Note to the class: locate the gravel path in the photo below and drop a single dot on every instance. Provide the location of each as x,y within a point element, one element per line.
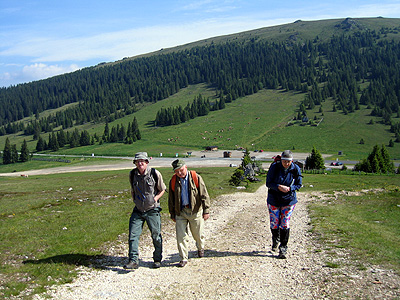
<point>238,263</point>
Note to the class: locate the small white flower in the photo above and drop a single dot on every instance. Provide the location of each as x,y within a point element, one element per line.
<point>65,228</point>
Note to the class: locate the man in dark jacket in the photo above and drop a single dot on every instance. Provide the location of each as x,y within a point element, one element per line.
<point>188,203</point>
<point>283,180</point>
<point>147,187</point>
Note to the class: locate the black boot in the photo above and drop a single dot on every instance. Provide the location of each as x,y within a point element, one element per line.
<point>275,239</point>
<point>284,237</point>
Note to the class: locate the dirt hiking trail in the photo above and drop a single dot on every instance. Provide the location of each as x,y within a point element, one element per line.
<point>238,263</point>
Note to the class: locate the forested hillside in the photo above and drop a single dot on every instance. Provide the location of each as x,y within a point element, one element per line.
<point>354,66</point>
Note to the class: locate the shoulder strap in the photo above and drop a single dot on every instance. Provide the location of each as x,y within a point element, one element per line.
<point>194,176</point>
<point>173,180</point>
<point>153,173</point>
<point>131,174</point>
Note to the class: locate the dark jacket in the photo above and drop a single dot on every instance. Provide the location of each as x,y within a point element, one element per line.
<point>199,198</point>
<point>277,175</point>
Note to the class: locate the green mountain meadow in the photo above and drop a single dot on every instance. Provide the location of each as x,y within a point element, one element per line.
<point>303,72</point>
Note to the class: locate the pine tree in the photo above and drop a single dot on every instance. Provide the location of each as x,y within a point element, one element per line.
<point>121,133</point>
<point>113,135</point>
<point>106,134</point>
<point>24,155</point>
<point>61,138</point>
<point>137,134</point>
<point>315,160</point>
<point>387,164</point>
<point>375,159</point>
<point>7,153</point>
<point>246,159</point>
<point>378,161</point>
<point>74,139</point>
<point>53,143</point>
<point>84,139</point>
<point>37,130</point>
<point>40,146</point>
<point>14,153</point>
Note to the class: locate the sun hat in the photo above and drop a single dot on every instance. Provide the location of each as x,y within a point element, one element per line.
<point>177,164</point>
<point>141,155</point>
<point>287,155</point>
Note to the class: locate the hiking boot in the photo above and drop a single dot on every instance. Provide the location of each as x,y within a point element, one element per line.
<point>275,239</point>
<point>182,263</point>
<point>284,237</point>
<point>282,253</point>
<point>200,253</point>
<point>156,265</point>
<point>131,265</point>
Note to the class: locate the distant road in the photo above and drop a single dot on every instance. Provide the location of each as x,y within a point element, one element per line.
<point>126,163</point>
<point>195,160</point>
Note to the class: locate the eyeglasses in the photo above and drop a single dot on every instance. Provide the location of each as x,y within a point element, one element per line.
<point>141,161</point>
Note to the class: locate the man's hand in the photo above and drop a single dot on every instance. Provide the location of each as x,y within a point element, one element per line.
<point>206,216</point>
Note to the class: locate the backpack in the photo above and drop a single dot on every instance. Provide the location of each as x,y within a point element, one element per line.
<point>194,176</point>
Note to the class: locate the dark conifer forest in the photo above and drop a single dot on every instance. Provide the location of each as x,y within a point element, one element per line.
<point>337,67</point>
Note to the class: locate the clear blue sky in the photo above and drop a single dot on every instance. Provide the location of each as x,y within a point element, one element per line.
<point>43,38</point>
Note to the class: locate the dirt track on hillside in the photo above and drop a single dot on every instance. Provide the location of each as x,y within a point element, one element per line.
<point>197,159</point>
<point>238,263</point>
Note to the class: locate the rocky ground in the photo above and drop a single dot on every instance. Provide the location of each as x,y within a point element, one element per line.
<point>238,263</point>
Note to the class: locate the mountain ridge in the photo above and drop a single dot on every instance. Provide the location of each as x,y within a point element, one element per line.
<point>319,61</point>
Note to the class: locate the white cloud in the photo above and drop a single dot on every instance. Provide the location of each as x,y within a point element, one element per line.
<point>116,45</point>
<point>40,70</point>
<point>6,76</point>
<point>34,72</point>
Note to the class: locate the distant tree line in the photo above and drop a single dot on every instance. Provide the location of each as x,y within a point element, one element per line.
<point>177,115</point>
<point>10,153</point>
<point>378,161</point>
<point>321,69</point>
<point>121,134</point>
<point>60,139</point>
<point>116,134</point>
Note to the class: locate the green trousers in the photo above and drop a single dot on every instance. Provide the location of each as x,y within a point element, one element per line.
<point>153,219</point>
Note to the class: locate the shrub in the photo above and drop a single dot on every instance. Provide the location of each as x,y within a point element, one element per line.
<point>315,160</point>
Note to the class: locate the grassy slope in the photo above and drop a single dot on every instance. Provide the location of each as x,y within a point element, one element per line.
<point>257,119</point>
<point>256,122</point>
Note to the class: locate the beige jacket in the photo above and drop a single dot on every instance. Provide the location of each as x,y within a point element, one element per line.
<point>199,198</point>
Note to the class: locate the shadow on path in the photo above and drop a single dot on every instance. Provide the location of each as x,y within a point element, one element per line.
<point>116,263</point>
